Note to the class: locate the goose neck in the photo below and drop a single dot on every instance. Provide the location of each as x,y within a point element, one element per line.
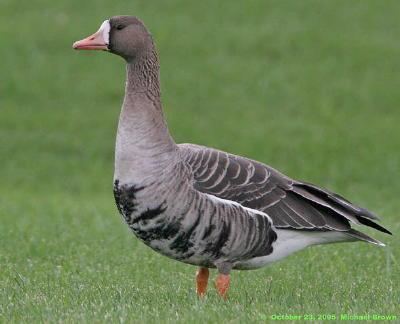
<point>144,145</point>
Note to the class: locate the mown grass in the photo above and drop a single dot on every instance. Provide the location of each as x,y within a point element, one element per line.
<point>309,87</point>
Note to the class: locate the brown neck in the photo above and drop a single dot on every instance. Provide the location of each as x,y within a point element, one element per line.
<point>143,76</point>
<point>143,139</point>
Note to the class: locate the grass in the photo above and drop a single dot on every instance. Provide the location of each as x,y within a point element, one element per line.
<point>309,87</point>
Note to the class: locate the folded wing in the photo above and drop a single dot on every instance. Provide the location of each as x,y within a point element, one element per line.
<point>290,204</point>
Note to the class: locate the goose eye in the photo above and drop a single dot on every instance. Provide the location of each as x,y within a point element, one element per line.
<point>119,27</point>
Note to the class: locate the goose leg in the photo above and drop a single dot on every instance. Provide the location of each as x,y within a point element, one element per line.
<point>222,284</point>
<point>223,279</point>
<point>201,281</point>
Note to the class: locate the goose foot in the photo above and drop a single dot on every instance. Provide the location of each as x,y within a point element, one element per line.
<point>201,281</point>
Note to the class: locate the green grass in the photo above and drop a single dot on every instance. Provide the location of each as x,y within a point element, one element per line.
<point>309,87</point>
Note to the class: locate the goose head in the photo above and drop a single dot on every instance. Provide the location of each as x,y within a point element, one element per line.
<point>125,36</point>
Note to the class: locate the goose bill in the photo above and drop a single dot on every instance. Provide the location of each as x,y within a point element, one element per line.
<point>98,41</point>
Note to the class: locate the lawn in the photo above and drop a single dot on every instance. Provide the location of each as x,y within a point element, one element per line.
<point>309,87</point>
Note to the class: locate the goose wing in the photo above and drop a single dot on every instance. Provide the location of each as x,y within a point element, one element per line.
<point>291,204</point>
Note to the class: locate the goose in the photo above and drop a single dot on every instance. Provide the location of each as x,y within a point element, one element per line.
<point>200,205</point>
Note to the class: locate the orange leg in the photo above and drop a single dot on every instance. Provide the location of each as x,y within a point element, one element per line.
<point>201,281</point>
<point>222,284</point>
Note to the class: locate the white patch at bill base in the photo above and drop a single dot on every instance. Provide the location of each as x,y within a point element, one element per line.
<point>105,31</point>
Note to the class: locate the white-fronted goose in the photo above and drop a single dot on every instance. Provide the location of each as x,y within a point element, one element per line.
<point>199,205</point>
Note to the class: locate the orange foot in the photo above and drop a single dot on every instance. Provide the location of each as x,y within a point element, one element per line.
<point>201,281</point>
<point>222,284</point>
